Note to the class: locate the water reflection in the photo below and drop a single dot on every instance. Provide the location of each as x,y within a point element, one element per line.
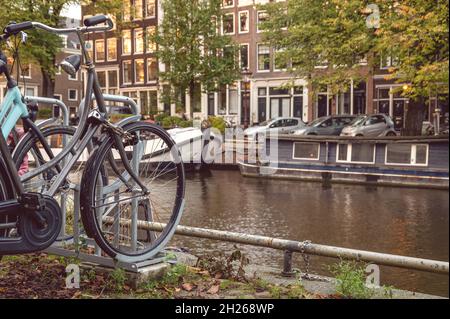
<point>411,222</point>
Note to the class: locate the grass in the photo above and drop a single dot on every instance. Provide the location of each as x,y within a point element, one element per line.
<point>351,280</point>
<point>117,280</point>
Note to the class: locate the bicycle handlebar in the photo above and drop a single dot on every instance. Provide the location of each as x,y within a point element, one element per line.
<point>16,28</point>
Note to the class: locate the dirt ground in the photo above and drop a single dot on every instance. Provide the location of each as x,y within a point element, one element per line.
<point>44,277</point>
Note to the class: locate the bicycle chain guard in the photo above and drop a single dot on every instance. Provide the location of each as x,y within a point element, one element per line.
<point>35,233</point>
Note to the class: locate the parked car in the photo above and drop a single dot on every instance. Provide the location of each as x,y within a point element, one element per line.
<point>371,126</point>
<point>327,125</point>
<point>279,125</point>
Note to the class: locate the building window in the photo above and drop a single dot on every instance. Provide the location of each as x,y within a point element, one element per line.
<point>152,69</point>
<point>228,23</point>
<point>126,42</point>
<point>101,76</point>
<point>26,71</point>
<point>244,22</point>
<point>127,72</point>
<point>150,9</point>
<point>222,102</point>
<point>407,154</point>
<point>112,79</point>
<point>138,41</point>
<point>30,92</point>
<point>72,95</point>
<point>262,91</point>
<point>126,10</point>
<point>388,61</point>
<point>89,48</point>
<point>233,99</point>
<point>262,17</point>
<point>306,151</point>
<point>99,50</point>
<point>244,57</point>
<point>73,77</point>
<point>263,58</point>
<point>228,3</point>
<point>278,62</point>
<point>150,46</point>
<point>356,153</point>
<point>112,49</point>
<point>139,71</point>
<point>138,10</point>
<point>63,40</point>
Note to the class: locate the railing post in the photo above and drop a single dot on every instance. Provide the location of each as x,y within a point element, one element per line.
<point>287,268</point>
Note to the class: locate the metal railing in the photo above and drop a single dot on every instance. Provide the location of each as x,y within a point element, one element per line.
<point>305,247</point>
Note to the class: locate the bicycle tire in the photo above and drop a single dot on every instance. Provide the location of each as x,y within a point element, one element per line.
<point>30,141</point>
<point>96,165</point>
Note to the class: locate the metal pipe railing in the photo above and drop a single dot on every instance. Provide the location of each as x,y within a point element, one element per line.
<point>308,248</point>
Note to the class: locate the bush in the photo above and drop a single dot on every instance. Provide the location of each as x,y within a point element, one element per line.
<point>185,124</point>
<point>218,123</point>
<point>118,117</point>
<point>160,117</point>
<point>45,113</point>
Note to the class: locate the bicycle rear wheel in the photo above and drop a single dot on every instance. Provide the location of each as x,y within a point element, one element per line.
<point>32,152</point>
<point>128,224</point>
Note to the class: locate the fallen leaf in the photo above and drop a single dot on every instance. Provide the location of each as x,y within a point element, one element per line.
<point>214,289</point>
<point>76,295</point>
<point>187,286</point>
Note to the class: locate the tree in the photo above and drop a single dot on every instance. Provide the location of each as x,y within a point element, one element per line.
<point>42,47</point>
<point>337,34</point>
<point>192,50</point>
<point>416,33</point>
<point>322,41</point>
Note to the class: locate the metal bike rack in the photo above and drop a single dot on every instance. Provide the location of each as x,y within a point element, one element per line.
<point>49,101</point>
<point>69,244</point>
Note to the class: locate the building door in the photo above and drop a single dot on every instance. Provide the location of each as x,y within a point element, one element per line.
<point>262,116</point>
<point>399,112</point>
<point>298,107</point>
<point>322,105</point>
<point>245,109</point>
<point>211,104</point>
<point>383,107</point>
<point>359,99</point>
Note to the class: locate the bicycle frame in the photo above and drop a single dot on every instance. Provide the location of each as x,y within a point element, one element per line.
<point>89,125</point>
<point>12,109</point>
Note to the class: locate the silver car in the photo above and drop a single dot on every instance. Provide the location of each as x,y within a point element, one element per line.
<point>371,126</point>
<point>279,125</point>
<point>328,125</point>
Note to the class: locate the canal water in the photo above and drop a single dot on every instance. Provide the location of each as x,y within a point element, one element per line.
<point>402,221</point>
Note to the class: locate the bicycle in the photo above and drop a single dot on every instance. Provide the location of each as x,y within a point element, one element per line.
<point>133,185</point>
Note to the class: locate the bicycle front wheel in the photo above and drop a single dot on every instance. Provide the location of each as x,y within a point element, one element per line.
<point>129,224</point>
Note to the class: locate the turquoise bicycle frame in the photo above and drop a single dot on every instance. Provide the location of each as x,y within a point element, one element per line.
<point>11,110</point>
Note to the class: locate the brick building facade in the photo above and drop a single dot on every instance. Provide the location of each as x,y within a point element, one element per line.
<point>127,65</point>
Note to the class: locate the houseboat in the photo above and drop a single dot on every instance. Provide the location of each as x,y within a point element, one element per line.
<point>387,161</point>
